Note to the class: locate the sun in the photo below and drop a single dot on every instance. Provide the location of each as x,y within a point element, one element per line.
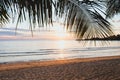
<point>60,31</point>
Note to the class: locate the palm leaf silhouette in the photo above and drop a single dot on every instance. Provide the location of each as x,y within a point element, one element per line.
<point>81,16</point>
<point>113,7</point>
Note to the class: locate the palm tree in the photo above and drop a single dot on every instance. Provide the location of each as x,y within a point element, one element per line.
<point>81,16</point>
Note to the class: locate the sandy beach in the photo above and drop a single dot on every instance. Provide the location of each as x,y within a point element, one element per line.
<point>102,68</point>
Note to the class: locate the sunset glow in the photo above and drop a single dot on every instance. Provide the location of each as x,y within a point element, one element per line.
<point>60,32</point>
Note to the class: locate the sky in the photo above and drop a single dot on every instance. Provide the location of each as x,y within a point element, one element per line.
<point>57,32</point>
<point>115,21</point>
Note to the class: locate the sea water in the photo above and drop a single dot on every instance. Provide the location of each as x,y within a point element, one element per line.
<point>30,50</point>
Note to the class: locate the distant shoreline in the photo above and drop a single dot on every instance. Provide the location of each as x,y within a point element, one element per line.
<point>110,38</point>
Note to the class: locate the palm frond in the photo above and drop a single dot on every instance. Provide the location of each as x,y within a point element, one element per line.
<point>4,16</point>
<point>38,11</point>
<point>113,7</point>
<point>84,18</point>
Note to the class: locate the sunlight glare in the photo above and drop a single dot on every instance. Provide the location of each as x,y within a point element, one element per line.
<point>61,44</point>
<point>63,56</point>
<point>60,31</point>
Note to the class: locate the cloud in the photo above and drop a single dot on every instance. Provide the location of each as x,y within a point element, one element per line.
<point>8,33</point>
<point>24,34</point>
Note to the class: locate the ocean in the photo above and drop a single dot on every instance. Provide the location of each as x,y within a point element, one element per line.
<point>42,50</point>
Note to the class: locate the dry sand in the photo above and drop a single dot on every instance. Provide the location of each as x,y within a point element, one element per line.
<point>103,68</point>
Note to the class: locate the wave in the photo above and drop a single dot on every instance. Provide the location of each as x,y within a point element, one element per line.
<point>59,51</point>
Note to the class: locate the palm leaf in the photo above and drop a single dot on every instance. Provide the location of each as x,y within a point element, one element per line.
<point>4,17</point>
<point>84,18</point>
<point>38,11</point>
<point>113,7</point>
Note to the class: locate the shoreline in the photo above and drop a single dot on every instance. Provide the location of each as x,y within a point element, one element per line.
<point>27,64</point>
<point>101,68</point>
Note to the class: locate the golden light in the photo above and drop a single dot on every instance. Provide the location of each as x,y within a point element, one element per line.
<point>60,32</point>
<point>62,45</point>
<point>62,55</point>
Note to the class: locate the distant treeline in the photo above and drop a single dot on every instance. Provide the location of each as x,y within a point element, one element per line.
<point>114,37</point>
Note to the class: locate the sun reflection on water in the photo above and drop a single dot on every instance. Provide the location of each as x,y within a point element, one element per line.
<point>61,44</point>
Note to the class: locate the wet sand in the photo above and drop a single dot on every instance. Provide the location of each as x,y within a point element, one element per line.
<point>102,68</point>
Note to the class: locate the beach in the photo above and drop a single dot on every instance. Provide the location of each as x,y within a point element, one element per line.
<point>101,68</point>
